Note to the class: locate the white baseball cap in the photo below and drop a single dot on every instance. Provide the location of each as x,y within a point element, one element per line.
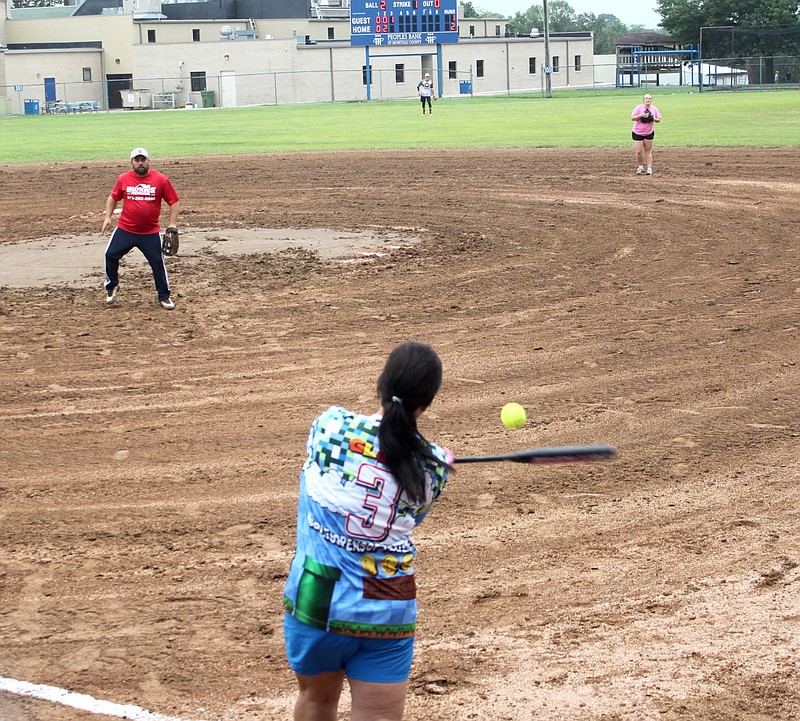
<point>139,151</point>
<point>427,75</point>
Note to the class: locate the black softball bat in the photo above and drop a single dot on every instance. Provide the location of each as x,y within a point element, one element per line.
<point>563,454</point>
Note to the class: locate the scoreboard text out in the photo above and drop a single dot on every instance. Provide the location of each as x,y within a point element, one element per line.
<point>403,22</point>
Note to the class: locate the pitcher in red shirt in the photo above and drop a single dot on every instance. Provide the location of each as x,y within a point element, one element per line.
<point>142,190</point>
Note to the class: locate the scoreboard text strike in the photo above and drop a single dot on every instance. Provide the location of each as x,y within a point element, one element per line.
<point>403,22</point>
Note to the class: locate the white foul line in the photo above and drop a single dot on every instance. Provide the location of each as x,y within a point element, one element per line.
<point>80,701</point>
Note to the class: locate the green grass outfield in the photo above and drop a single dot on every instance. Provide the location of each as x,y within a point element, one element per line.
<point>569,119</point>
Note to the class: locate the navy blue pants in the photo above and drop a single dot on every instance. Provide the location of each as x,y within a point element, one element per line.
<point>122,242</point>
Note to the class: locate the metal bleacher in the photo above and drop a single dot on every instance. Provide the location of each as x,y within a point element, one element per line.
<point>59,107</point>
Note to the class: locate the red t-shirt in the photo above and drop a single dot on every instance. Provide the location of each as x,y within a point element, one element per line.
<point>141,198</point>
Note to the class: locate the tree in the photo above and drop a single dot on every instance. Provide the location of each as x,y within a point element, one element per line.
<point>561,15</point>
<point>606,29</point>
<point>533,17</point>
<point>735,28</point>
<point>470,11</point>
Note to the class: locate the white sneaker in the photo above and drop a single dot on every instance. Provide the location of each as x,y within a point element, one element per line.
<point>640,170</point>
<point>111,294</point>
<point>649,171</point>
<point>167,304</point>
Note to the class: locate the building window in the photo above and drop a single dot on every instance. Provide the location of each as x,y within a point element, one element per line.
<point>364,74</point>
<point>555,63</point>
<point>196,35</point>
<point>577,62</point>
<point>472,31</point>
<point>452,71</point>
<point>399,73</point>
<point>87,75</point>
<point>532,66</point>
<point>151,36</point>
<point>497,30</point>
<point>479,68</point>
<point>330,33</point>
<point>198,81</point>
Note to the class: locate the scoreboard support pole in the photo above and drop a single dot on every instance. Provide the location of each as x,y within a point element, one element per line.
<point>369,73</point>
<point>439,77</point>
<point>438,54</point>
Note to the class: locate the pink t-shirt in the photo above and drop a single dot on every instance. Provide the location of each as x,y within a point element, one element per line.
<point>141,197</point>
<point>639,127</point>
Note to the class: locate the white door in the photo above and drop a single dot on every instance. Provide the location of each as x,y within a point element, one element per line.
<point>227,83</point>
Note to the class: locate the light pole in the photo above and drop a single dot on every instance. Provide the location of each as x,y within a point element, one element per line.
<point>547,69</point>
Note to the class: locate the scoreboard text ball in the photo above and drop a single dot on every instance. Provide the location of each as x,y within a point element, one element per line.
<point>403,22</point>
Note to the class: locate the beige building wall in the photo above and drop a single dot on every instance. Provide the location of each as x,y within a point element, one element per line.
<point>115,32</point>
<point>183,31</point>
<point>339,29</point>
<point>482,27</point>
<point>69,68</point>
<point>162,56</point>
<point>3,13</point>
<point>281,71</point>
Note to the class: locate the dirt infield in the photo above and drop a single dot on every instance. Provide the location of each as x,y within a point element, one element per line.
<point>150,458</point>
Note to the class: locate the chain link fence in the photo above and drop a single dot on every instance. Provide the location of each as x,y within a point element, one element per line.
<point>320,86</point>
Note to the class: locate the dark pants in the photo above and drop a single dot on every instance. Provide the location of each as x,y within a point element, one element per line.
<point>425,99</point>
<point>121,243</point>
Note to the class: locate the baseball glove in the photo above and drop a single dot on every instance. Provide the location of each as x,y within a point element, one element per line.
<point>169,241</point>
<point>647,117</point>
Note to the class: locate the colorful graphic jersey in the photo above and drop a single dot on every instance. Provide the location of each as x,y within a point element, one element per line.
<point>353,571</point>
<point>142,196</point>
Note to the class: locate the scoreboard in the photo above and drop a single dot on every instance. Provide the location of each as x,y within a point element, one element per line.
<point>403,22</point>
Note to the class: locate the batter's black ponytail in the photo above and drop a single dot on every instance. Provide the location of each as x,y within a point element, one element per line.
<point>410,379</point>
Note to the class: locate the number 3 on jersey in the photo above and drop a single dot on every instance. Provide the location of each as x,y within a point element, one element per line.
<point>379,510</point>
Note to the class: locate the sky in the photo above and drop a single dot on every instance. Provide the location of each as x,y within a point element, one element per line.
<point>628,11</point>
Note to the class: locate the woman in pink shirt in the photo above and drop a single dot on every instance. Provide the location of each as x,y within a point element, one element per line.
<point>643,117</point>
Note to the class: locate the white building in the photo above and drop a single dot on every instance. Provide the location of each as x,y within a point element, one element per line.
<point>147,54</point>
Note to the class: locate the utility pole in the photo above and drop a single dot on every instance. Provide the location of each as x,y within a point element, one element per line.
<point>547,69</point>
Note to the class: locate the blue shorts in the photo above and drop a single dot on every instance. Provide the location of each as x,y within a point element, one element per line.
<point>378,660</point>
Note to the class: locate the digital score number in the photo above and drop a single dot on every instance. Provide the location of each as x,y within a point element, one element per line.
<point>403,22</point>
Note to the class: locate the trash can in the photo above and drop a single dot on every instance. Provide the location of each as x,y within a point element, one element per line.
<point>208,98</point>
<point>31,106</point>
<point>465,87</point>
